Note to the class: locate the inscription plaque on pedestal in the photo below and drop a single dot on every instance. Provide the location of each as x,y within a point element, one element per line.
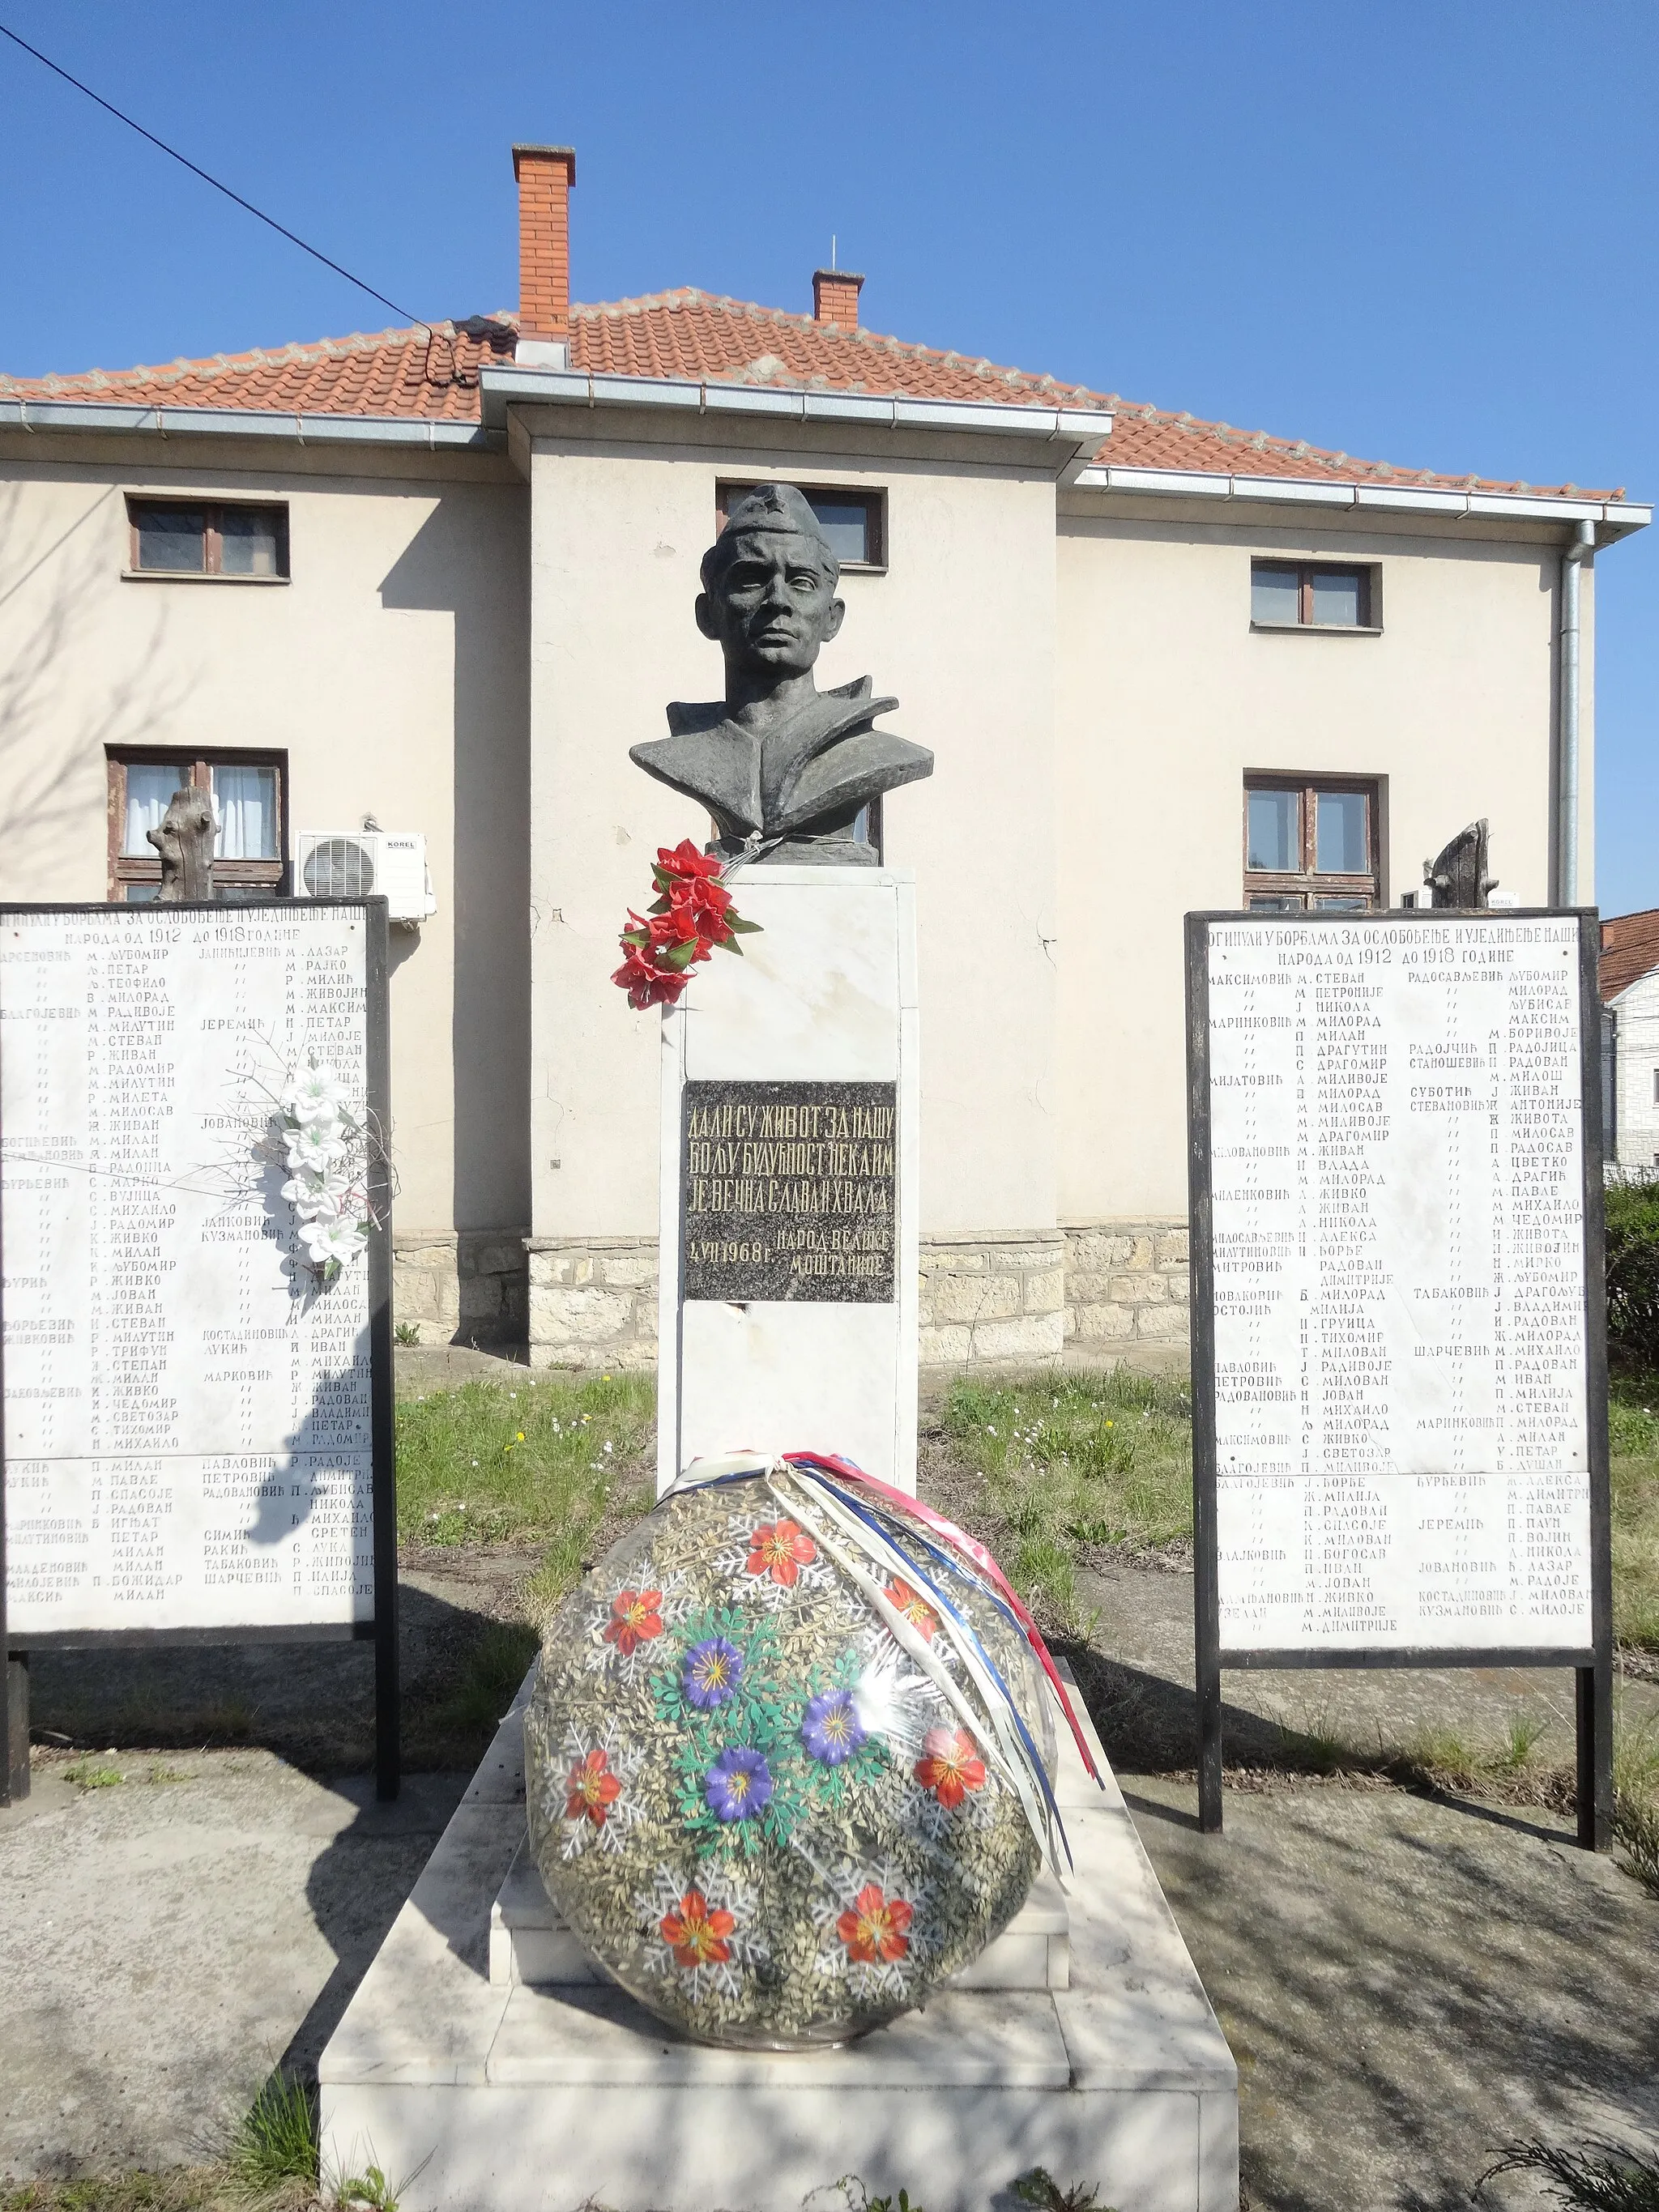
<point>1399,1363</point>
<point>790,1191</point>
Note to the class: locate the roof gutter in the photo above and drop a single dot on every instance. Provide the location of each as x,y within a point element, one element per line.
<point>1615,516</point>
<point>110,417</point>
<point>1081,430</point>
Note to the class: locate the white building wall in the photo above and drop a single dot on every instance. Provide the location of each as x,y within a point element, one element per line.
<point>1637,1061</point>
<point>1167,699</point>
<point>393,671</point>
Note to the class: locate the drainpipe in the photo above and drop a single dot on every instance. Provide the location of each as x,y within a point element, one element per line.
<point>1582,542</point>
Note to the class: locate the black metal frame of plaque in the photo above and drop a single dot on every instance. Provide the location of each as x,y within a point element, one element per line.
<point>776,1185</point>
<point>1592,1667</point>
<point>382,1629</point>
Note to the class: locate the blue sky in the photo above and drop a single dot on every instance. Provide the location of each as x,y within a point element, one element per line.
<point>1418,233</point>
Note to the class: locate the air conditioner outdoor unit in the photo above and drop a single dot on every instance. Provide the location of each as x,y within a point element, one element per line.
<point>388,864</point>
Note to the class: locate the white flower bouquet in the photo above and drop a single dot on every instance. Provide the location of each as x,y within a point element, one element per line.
<point>326,1152</point>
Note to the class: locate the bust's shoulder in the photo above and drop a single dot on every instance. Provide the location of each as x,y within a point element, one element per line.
<point>692,718</point>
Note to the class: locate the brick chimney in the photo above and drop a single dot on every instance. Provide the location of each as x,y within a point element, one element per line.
<point>835,297</point>
<point>544,175</point>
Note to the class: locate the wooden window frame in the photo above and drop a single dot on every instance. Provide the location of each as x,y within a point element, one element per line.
<point>874,503</point>
<point>213,542</point>
<point>1308,884</point>
<point>1304,572</point>
<point>197,768</point>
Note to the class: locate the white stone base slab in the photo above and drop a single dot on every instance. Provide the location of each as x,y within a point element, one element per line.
<point>529,1943</point>
<point>474,2093</point>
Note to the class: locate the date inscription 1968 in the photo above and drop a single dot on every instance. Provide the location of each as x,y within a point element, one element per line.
<point>789,1191</point>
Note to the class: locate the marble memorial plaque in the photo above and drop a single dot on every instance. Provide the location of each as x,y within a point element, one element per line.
<point>187,1410</point>
<point>1396,1166</point>
<point>789,1192</point>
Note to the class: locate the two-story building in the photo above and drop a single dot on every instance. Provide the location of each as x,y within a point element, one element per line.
<point>436,581</point>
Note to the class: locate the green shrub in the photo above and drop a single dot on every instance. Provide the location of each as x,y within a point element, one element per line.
<point>1633,1209</point>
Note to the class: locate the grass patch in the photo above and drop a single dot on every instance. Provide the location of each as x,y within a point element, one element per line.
<point>273,2152</point>
<point>1633,1438</point>
<point>542,1463</point>
<point>182,2189</point>
<point>87,1776</point>
<point>1636,1800</point>
<point>489,1677</point>
<point>269,2161</point>
<point>1077,1463</point>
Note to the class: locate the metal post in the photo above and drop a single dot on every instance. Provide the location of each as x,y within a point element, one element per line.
<point>14,1781</point>
<point>1595,1716</point>
<point>1209,1742</point>
<point>388,1757</point>
<point>1207,1616</point>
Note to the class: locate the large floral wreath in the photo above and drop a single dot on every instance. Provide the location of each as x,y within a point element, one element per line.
<point>691,914</point>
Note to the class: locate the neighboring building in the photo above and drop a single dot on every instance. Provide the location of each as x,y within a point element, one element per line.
<point>1629,998</point>
<point>444,577</point>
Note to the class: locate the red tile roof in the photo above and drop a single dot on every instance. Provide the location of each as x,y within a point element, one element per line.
<point>430,375</point>
<point>1630,949</point>
<point>433,375</point>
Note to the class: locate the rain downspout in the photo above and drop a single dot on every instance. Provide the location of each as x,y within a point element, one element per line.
<point>1582,542</point>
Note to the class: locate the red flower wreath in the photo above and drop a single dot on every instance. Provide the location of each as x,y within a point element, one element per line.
<point>691,913</point>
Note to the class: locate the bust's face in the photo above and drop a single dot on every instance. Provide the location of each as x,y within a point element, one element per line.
<point>771,607</point>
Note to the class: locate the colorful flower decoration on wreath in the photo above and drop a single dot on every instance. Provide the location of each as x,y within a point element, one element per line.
<point>696,1935</point>
<point>920,1615</point>
<point>781,1549</point>
<point>711,1673</point>
<point>872,1930</point>
<point>691,913</point>
<point>739,1785</point>
<point>635,1619</point>
<point>830,1728</point>
<point>590,1789</point>
<point>950,1766</point>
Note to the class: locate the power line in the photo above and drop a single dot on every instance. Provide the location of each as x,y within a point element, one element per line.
<point>173,151</point>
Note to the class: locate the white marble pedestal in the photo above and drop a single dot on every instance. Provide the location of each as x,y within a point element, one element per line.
<point>472,2091</point>
<point>824,994</point>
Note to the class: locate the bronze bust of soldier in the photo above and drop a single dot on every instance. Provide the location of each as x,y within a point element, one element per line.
<point>785,769</point>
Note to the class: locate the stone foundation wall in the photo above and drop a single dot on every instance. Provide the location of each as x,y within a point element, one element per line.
<point>1101,1290</point>
<point>992,1299</point>
<point>465,1288</point>
<point>593,1301</point>
<point>1126,1287</point>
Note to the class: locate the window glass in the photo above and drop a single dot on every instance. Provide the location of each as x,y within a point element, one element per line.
<point>1341,846</point>
<point>150,786</point>
<point>1344,904</point>
<point>142,894</point>
<point>1275,595</point>
<point>172,537</point>
<point>846,523</point>
<point>249,536</point>
<point>244,806</point>
<point>1274,833</point>
<point>1274,903</point>
<point>1336,597</point>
